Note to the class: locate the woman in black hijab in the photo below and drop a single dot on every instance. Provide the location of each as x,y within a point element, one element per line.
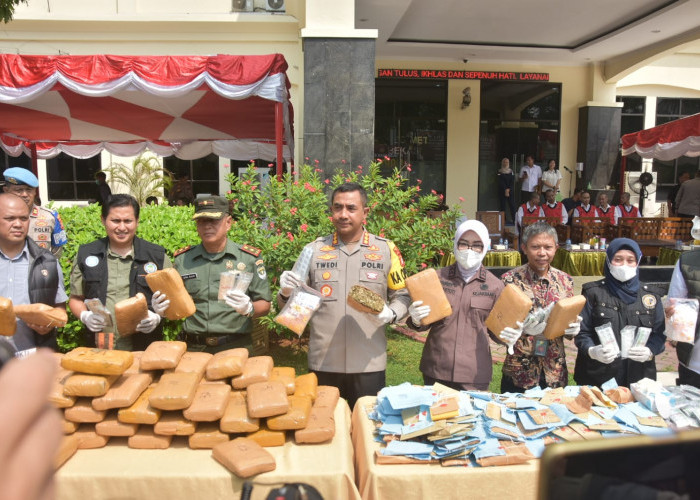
<point>619,299</point>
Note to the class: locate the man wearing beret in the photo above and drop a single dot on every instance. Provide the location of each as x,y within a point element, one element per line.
<point>220,324</point>
<point>45,226</point>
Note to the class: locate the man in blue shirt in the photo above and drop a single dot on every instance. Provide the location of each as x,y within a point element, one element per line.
<point>30,274</point>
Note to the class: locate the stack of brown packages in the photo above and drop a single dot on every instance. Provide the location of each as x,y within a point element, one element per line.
<point>228,402</point>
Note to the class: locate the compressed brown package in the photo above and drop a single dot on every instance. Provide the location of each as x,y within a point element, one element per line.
<point>88,439</point>
<point>97,361</point>
<point>244,457</point>
<point>207,436</point>
<point>193,362</point>
<point>209,404</point>
<point>365,300</point>
<point>306,385</point>
<point>83,412</point>
<point>327,396</point>
<point>426,286</point>
<point>620,395</point>
<point>512,306</point>
<point>563,313</point>
<point>41,314</point>
<point>319,429</point>
<point>236,419</point>
<point>268,438</point>
<point>286,375</point>
<point>8,321</point>
<point>129,313</point>
<point>296,417</point>
<point>228,363</point>
<point>144,439</point>
<point>175,391</point>
<point>124,391</point>
<point>163,354</point>
<point>136,364</point>
<point>111,426</point>
<point>56,396</point>
<point>69,427</point>
<point>141,412</point>
<point>67,448</point>
<point>89,386</point>
<point>256,369</point>
<point>173,423</point>
<point>267,399</point>
<point>169,282</point>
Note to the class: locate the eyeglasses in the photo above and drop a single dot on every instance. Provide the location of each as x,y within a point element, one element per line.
<point>465,245</point>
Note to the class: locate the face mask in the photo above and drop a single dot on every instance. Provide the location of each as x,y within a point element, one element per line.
<point>623,273</point>
<point>468,259</point>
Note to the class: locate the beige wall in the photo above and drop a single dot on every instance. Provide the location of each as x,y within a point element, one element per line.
<point>463,125</point>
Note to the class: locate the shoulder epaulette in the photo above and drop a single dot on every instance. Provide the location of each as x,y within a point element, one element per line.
<point>251,250</point>
<point>182,250</point>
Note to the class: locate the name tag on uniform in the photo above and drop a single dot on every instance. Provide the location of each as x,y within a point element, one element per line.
<point>188,276</point>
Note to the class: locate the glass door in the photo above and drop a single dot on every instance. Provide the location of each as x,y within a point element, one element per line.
<point>517,120</point>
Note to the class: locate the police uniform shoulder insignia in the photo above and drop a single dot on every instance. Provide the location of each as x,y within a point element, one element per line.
<point>34,212</point>
<point>255,252</point>
<point>182,250</point>
<point>649,301</point>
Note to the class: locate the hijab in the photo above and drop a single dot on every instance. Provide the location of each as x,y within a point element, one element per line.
<point>506,170</point>
<point>483,233</point>
<point>627,292</point>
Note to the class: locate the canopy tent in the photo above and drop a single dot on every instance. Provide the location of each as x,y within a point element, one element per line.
<point>236,107</point>
<point>665,142</point>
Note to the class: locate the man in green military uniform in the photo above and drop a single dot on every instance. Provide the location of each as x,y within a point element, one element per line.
<point>219,325</point>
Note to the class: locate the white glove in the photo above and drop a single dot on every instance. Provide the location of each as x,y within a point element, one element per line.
<point>639,354</point>
<point>511,335</point>
<point>94,322</point>
<point>605,355</point>
<point>533,327</point>
<point>288,282</point>
<point>384,317</point>
<point>160,303</point>
<point>240,302</point>
<point>149,323</point>
<point>418,312</point>
<point>574,327</point>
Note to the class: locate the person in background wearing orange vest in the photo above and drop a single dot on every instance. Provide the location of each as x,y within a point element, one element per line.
<point>607,211</point>
<point>626,208</point>
<point>530,209</point>
<point>554,208</point>
<point>586,210</point>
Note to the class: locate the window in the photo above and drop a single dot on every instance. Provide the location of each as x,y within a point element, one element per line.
<point>7,161</point>
<point>667,172</point>
<point>204,172</point>
<point>632,114</point>
<point>72,178</point>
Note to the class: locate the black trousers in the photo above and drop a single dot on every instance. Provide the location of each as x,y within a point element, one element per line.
<point>353,386</point>
<point>686,376</point>
<point>508,200</point>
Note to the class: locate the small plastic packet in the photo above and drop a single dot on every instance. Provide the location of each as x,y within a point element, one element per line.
<point>230,281</point>
<point>301,266</point>
<point>95,306</point>
<point>642,336</point>
<point>303,302</point>
<point>626,339</point>
<point>607,337</point>
<point>681,325</point>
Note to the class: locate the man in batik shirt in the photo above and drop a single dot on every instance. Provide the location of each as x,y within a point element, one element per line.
<point>536,360</point>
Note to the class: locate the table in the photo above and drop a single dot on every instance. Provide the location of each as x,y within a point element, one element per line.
<point>580,262</point>
<point>426,481</point>
<point>668,256</point>
<point>117,471</point>
<point>493,258</point>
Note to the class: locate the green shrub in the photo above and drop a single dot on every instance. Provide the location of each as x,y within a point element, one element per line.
<point>280,217</point>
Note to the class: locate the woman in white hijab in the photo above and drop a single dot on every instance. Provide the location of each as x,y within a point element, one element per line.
<point>457,352</point>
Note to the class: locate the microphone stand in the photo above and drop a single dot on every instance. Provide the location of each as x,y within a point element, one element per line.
<point>571,181</point>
